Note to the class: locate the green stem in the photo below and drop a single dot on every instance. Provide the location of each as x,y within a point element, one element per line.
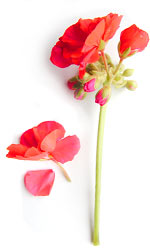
<point>117,68</point>
<point>63,170</point>
<point>98,173</point>
<point>105,61</point>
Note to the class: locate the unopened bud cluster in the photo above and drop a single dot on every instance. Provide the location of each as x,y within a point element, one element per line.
<point>98,79</point>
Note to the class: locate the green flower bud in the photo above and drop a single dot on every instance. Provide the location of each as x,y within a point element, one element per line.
<point>131,85</point>
<point>118,77</point>
<point>128,72</point>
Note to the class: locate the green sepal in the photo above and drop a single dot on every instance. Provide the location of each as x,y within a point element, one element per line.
<point>102,45</point>
<point>126,53</point>
<point>77,85</point>
<point>74,79</point>
<point>128,72</point>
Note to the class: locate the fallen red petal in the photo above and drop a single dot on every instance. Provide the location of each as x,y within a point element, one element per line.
<point>40,182</point>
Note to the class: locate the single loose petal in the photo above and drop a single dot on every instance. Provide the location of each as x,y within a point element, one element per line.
<point>66,149</point>
<point>39,183</point>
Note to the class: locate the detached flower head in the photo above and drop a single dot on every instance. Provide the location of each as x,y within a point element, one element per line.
<point>46,141</point>
<point>80,43</point>
<point>133,39</point>
<point>43,142</point>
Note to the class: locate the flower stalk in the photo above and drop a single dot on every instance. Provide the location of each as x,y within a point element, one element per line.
<point>98,173</point>
<point>63,171</point>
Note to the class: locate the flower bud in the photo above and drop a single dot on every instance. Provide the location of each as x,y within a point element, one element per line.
<point>131,85</point>
<point>90,85</point>
<point>103,95</point>
<point>128,72</point>
<point>79,94</point>
<point>71,85</point>
<point>74,83</point>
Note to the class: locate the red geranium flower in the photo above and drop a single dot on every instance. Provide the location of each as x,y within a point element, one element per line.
<point>80,43</point>
<point>133,38</point>
<point>45,142</point>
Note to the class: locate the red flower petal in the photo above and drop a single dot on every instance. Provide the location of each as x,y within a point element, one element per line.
<point>34,154</point>
<point>49,142</point>
<point>74,36</point>
<point>57,57</point>
<point>94,38</point>
<point>134,38</point>
<point>44,128</point>
<point>66,149</point>
<point>39,183</point>
<point>85,25</point>
<point>16,149</point>
<point>28,138</point>
<point>112,22</point>
<point>90,57</point>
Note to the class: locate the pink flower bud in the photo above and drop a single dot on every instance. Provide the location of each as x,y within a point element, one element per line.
<point>71,85</point>
<point>90,86</point>
<point>79,94</point>
<point>103,95</point>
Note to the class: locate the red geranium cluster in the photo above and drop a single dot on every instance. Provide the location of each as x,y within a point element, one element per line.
<point>44,142</point>
<point>84,43</point>
<point>80,43</point>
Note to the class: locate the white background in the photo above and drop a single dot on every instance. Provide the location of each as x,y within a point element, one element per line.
<point>33,90</point>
